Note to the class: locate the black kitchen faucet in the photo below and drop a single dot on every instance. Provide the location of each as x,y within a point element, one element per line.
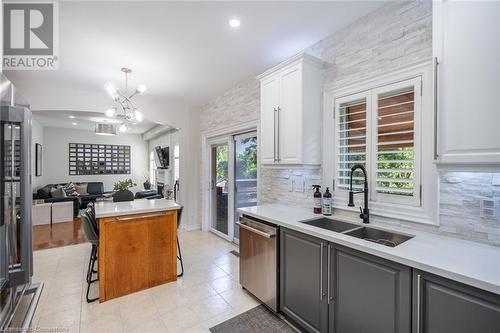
<point>365,213</point>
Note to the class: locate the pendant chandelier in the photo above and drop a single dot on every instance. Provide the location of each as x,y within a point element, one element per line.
<point>125,110</point>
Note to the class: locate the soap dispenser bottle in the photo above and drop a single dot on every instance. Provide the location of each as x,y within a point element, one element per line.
<point>317,199</point>
<point>327,203</point>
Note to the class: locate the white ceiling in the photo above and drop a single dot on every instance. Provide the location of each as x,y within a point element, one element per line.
<point>85,121</point>
<point>183,51</point>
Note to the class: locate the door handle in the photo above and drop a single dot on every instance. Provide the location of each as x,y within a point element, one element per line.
<point>419,285</point>
<point>275,140</point>
<point>436,152</point>
<point>328,273</point>
<point>321,272</point>
<point>278,113</point>
<point>256,231</point>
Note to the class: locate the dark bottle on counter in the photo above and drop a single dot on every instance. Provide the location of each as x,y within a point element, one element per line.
<point>327,203</point>
<point>317,199</point>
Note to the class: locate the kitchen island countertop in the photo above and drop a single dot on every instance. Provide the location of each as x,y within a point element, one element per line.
<point>109,208</point>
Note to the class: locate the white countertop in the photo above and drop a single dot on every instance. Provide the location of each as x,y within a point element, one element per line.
<point>109,208</point>
<point>471,263</point>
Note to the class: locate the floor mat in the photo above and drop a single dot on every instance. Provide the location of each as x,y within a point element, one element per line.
<point>258,319</point>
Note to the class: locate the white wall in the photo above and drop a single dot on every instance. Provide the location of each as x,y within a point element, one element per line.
<point>36,137</point>
<point>55,156</point>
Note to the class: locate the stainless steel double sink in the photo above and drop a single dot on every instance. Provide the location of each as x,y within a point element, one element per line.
<point>379,236</point>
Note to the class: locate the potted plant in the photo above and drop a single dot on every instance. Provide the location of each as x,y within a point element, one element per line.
<point>122,191</point>
<point>147,183</point>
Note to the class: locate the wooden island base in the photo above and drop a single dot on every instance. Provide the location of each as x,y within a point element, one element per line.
<point>136,252</point>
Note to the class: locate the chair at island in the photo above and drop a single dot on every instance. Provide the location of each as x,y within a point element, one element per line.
<point>179,255</point>
<point>93,237</point>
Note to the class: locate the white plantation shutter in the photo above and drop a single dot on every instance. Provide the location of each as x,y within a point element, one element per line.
<point>380,130</point>
<point>396,142</point>
<point>352,139</point>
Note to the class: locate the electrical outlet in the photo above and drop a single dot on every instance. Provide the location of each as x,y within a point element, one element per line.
<point>299,185</point>
<point>490,208</point>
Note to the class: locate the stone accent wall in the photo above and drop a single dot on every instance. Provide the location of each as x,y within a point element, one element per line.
<point>395,36</point>
<point>237,105</point>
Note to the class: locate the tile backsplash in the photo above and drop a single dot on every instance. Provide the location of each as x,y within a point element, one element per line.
<point>462,195</point>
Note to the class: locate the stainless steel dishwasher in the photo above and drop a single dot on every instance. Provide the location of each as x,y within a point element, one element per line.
<point>259,260</point>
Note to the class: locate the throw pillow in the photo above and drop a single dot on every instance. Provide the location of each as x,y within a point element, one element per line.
<point>44,192</point>
<point>81,188</point>
<point>57,192</point>
<point>70,190</point>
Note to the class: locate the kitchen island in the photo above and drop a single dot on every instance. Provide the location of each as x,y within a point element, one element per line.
<point>137,245</point>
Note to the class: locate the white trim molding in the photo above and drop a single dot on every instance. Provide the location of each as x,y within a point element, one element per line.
<point>209,138</point>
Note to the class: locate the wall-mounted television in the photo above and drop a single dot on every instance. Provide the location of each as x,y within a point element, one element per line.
<point>162,157</point>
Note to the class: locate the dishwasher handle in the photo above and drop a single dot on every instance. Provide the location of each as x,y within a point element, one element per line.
<point>256,231</point>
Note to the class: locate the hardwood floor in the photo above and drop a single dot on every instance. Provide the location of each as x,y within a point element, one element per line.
<point>58,234</point>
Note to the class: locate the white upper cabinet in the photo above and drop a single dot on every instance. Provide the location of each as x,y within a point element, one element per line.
<point>466,43</point>
<point>269,94</point>
<point>290,112</point>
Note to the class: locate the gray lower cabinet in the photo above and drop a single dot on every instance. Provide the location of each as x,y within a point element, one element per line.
<point>441,305</point>
<point>370,294</point>
<point>325,287</point>
<point>303,280</point>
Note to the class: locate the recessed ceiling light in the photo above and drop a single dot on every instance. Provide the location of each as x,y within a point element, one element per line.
<point>71,117</point>
<point>74,124</point>
<point>234,23</point>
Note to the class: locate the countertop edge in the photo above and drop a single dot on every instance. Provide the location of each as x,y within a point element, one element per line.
<point>138,211</point>
<point>340,240</point>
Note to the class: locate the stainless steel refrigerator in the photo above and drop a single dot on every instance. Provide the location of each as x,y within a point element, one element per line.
<point>18,296</point>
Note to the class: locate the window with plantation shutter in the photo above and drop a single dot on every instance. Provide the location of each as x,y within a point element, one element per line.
<point>396,137</point>
<point>379,129</point>
<point>352,139</point>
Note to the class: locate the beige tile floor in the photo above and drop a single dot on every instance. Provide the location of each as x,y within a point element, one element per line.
<point>206,295</point>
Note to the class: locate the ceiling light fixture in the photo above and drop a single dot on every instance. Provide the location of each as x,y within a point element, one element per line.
<point>234,23</point>
<point>123,128</point>
<point>71,117</point>
<point>126,111</point>
<point>74,124</point>
<point>110,112</point>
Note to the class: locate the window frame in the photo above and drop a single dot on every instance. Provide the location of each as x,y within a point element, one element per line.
<point>152,168</point>
<point>426,211</point>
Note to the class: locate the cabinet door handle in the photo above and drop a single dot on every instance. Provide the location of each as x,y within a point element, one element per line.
<point>419,286</point>
<point>274,135</point>
<point>436,63</point>
<point>279,157</point>
<point>321,272</point>
<point>328,278</point>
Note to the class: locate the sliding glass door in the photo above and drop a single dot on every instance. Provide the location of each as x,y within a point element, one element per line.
<point>233,181</point>
<point>219,185</point>
<point>245,175</point>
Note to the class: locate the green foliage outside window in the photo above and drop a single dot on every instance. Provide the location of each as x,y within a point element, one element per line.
<point>246,161</point>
